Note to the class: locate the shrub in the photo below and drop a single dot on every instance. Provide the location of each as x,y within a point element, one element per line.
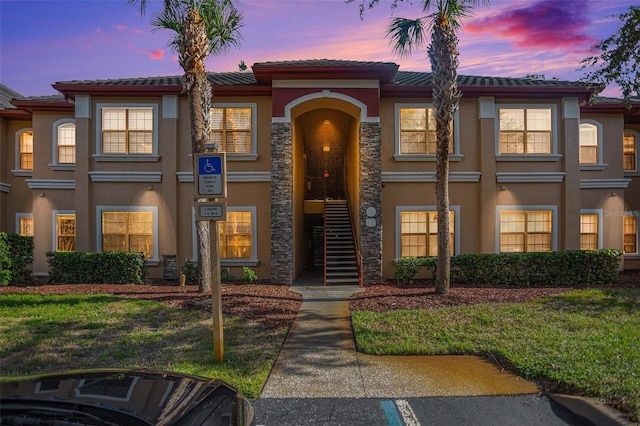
<point>566,268</point>
<point>16,253</point>
<point>91,267</point>
<point>248,275</point>
<point>190,271</point>
<point>226,277</point>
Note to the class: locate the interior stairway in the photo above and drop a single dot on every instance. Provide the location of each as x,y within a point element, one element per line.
<point>341,264</point>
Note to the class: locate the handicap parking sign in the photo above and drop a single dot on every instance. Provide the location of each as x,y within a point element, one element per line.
<point>211,176</point>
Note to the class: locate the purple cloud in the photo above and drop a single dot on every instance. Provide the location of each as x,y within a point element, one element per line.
<point>546,24</point>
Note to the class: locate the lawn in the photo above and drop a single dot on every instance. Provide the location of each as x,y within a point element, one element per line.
<point>42,333</point>
<point>586,342</point>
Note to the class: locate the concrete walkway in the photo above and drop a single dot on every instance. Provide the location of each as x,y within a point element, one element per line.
<point>319,360</point>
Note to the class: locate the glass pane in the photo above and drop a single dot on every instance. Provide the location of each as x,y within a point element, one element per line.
<point>538,242</point>
<point>26,226</point>
<point>538,222</point>
<point>114,143</point>
<point>114,223</point>
<point>512,222</point>
<point>239,118</point>
<point>588,242</point>
<point>141,119</point>
<point>66,154</point>
<point>539,119</point>
<point>538,143</point>
<point>413,222</point>
<point>141,223</point>
<point>588,154</point>
<point>141,243</point>
<point>67,134</point>
<point>217,118</point>
<point>629,149</point>
<point>511,143</point>
<point>588,135</point>
<point>114,119</point>
<point>512,119</point>
<point>413,246</point>
<point>236,240</point>
<point>413,142</point>
<point>512,243</point>
<point>413,119</point>
<point>140,143</point>
<point>588,223</point>
<point>238,142</point>
<point>26,142</point>
<point>630,225</point>
<point>114,243</point>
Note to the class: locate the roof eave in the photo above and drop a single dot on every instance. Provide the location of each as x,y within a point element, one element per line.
<point>493,91</point>
<point>71,90</point>
<point>385,73</point>
<point>31,105</point>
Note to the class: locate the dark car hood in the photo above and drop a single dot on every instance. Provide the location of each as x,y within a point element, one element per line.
<point>119,397</point>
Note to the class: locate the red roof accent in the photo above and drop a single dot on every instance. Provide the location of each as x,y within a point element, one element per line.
<point>324,69</point>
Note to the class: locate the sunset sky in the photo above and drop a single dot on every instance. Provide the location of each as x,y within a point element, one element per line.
<point>45,41</point>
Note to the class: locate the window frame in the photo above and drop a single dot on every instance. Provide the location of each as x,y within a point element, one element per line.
<point>520,208</point>
<point>17,170</point>
<point>635,172</point>
<point>153,156</point>
<point>54,229</point>
<point>19,217</point>
<point>600,214</point>
<point>253,155</point>
<point>55,164</point>
<point>551,156</point>
<point>429,209</point>
<point>152,261</point>
<point>455,155</point>
<point>599,164</point>
<point>636,215</point>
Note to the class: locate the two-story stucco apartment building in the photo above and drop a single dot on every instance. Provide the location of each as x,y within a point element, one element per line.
<point>107,166</point>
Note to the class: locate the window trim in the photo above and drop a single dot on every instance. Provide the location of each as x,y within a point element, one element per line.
<point>152,261</point>
<point>635,172</point>
<point>17,171</point>
<point>54,227</point>
<point>25,215</point>
<point>154,156</point>
<point>552,156</point>
<point>554,221</point>
<point>453,156</point>
<point>433,208</point>
<point>599,164</point>
<point>253,156</point>
<point>636,214</point>
<point>55,165</point>
<point>600,214</point>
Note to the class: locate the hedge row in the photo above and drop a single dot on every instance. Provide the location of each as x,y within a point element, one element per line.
<point>563,268</point>
<point>16,253</point>
<point>96,268</point>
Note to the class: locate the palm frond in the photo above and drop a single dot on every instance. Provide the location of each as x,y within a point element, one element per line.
<point>223,22</point>
<point>406,35</point>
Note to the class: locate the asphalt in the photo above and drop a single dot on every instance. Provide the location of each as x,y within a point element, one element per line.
<point>319,360</point>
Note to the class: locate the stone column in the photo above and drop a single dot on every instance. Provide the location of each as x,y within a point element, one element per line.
<point>371,196</point>
<point>281,203</point>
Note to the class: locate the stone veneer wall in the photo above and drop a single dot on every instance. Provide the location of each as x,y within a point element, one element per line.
<point>371,196</point>
<point>281,203</point>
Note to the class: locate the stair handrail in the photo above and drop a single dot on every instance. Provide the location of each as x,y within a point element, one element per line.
<point>355,239</point>
<point>324,238</point>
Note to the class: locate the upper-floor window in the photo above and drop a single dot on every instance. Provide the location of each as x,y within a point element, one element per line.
<point>127,130</point>
<point>65,143</point>
<point>416,133</point>
<point>65,224</point>
<point>630,155</point>
<point>25,150</point>
<point>233,129</point>
<point>588,143</point>
<point>525,230</point>
<point>525,131</point>
<point>630,234</point>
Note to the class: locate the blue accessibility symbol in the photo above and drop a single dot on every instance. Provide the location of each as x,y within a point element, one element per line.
<point>210,165</point>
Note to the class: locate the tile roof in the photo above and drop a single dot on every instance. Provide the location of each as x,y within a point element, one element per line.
<point>321,62</point>
<point>6,96</point>
<point>414,78</point>
<point>135,81</point>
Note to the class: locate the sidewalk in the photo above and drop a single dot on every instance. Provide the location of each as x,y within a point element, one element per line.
<point>319,360</point>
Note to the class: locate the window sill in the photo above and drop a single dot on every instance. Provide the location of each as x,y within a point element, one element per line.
<point>127,158</point>
<point>26,173</point>
<point>242,157</point>
<point>528,157</point>
<point>424,157</point>
<point>152,262</point>
<point>632,173</point>
<point>58,167</point>
<point>593,167</point>
<point>239,262</point>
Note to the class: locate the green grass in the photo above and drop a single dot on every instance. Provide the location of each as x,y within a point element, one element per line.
<point>50,333</point>
<point>585,342</point>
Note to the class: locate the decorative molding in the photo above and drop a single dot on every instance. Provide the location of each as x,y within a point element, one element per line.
<point>530,177</point>
<point>22,173</point>
<point>140,158</point>
<point>246,177</point>
<point>425,157</point>
<point>126,176</point>
<point>58,167</point>
<point>50,184</point>
<point>528,157</point>
<point>593,167</point>
<point>604,183</point>
<point>4,187</point>
<point>430,177</point>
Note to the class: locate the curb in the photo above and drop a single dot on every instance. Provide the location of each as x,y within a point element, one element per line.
<point>593,410</point>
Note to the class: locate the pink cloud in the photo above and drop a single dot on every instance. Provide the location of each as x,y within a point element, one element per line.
<point>156,55</point>
<point>121,27</point>
<point>546,24</point>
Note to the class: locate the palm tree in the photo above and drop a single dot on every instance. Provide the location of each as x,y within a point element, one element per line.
<point>406,35</point>
<point>202,28</point>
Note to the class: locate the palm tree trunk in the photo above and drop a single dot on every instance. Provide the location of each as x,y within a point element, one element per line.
<point>443,54</point>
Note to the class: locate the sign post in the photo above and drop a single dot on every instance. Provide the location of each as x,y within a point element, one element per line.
<point>211,183</point>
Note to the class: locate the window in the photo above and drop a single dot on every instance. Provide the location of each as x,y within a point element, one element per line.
<point>24,224</point>
<point>66,143</point>
<point>232,128</point>
<point>629,152</point>
<point>630,234</point>
<point>25,150</point>
<point>525,131</point>
<point>525,231</point>
<point>588,144</point>
<point>236,235</point>
<point>131,229</point>
<point>589,231</point>
<point>127,130</point>
<point>65,224</point>
<point>416,133</point>
<point>417,230</point>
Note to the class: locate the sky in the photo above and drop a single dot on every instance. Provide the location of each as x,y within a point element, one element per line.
<point>46,41</point>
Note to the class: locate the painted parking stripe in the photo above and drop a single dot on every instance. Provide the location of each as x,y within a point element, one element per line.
<point>391,413</point>
<point>407,413</point>
<point>399,413</point>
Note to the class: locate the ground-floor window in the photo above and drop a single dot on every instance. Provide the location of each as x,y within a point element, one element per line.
<point>589,231</point>
<point>525,230</point>
<point>237,234</point>
<point>24,224</point>
<point>129,229</point>
<point>418,231</point>
<point>630,234</point>
<point>65,231</point>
